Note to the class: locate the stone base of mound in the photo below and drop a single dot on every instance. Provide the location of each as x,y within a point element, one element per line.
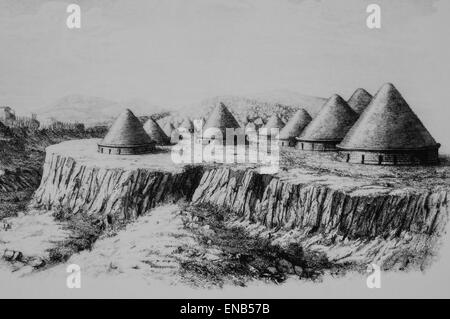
<point>317,146</point>
<point>412,157</point>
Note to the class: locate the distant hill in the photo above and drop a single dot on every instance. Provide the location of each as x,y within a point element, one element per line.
<point>91,109</point>
<point>285,103</point>
<point>311,103</point>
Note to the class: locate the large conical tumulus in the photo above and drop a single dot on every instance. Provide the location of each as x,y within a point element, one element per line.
<point>274,122</point>
<point>334,120</point>
<point>388,124</point>
<point>359,100</point>
<point>156,133</point>
<point>218,121</point>
<point>126,136</point>
<point>221,118</point>
<point>295,125</point>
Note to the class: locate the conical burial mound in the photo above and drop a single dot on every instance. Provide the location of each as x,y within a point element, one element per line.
<point>155,132</point>
<point>199,123</point>
<point>388,123</point>
<point>168,129</point>
<point>334,120</point>
<point>274,122</point>
<point>359,100</point>
<point>126,131</point>
<point>221,118</point>
<point>187,125</point>
<point>296,124</point>
<point>250,126</point>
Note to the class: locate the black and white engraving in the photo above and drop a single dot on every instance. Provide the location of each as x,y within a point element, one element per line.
<point>221,148</point>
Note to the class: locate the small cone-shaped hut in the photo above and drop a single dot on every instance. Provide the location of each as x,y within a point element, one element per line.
<point>156,133</point>
<point>389,133</point>
<point>187,125</point>
<point>198,124</point>
<point>359,100</point>
<point>329,127</point>
<point>294,127</point>
<point>126,136</point>
<point>251,133</point>
<point>175,137</point>
<point>168,128</point>
<point>185,130</point>
<point>250,126</point>
<point>219,120</point>
<point>274,122</point>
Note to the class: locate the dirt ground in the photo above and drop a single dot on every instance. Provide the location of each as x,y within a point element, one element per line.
<point>177,244</point>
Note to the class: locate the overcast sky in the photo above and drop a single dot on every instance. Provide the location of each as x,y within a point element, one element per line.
<point>174,52</point>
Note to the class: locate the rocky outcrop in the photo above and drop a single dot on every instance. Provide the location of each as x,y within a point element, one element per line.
<point>18,179</point>
<point>116,194</point>
<point>350,219</point>
<point>22,154</point>
<point>265,199</point>
<point>319,208</point>
<point>394,228</point>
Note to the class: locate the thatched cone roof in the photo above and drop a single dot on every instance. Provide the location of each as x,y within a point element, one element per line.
<point>294,127</point>
<point>388,123</point>
<point>198,124</point>
<point>175,136</point>
<point>222,119</point>
<point>126,131</point>
<point>168,128</point>
<point>359,100</point>
<point>162,122</point>
<point>273,122</point>
<point>171,132</point>
<point>250,126</point>
<point>156,133</point>
<point>332,122</point>
<point>187,125</point>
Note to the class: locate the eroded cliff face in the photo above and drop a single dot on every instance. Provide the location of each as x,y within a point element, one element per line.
<point>312,207</point>
<point>395,226</point>
<point>391,227</point>
<point>115,194</point>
